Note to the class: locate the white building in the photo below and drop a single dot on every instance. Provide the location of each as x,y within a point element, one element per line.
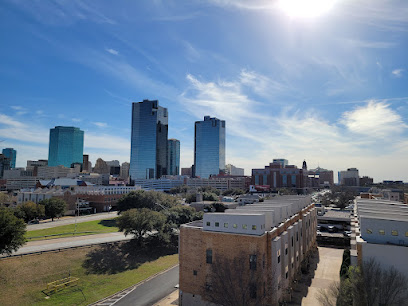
<point>349,177</point>
<point>380,232</point>
<point>232,170</point>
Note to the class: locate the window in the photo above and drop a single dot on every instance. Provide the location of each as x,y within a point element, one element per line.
<point>278,256</point>
<point>252,262</point>
<point>254,227</point>
<point>382,232</point>
<point>234,225</point>
<point>292,241</point>
<point>226,225</point>
<point>209,256</point>
<point>369,231</point>
<point>286,251</point>
<point>287,274</point>
<point>194,272</point>
<point>244,226</point>
<point>217,224</point>
<point>394,233</point>
<point>208,223</point>
<point>297,258</point>
<point>297,236</point>
<point>252,291</point>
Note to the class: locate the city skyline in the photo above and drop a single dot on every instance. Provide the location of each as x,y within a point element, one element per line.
<point>329,89</point>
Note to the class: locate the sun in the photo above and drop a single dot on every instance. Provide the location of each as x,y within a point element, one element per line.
<point>305,8</point>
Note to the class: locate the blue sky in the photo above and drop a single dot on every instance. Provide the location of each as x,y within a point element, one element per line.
<point>331,89</point>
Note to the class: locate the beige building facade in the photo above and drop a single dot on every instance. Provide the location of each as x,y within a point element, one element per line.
<point>271,257</point>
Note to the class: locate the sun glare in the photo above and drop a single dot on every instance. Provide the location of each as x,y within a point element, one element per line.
<point>305,8</point>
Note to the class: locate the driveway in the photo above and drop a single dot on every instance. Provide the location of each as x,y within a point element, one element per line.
<point>327,272</point>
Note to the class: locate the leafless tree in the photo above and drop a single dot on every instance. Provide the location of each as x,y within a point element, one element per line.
<point>240,281</point>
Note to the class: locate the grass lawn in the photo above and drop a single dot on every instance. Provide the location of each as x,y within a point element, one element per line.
<point>92,227</point>
<point>23,279</point>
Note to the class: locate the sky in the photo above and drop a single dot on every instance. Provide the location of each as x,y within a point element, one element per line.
<point>326,83</point>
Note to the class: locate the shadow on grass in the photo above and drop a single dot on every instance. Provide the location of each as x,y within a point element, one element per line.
<point>119,257</point>
<point>108,222</point>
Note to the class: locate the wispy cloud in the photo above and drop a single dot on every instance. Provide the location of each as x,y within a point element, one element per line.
<point>112,51</point>
<point>63,12</point>
<point>374,120</point>
<point>100,124</point>
<point>76,119</point>
<point>397,72</point>
<point>371,44</point>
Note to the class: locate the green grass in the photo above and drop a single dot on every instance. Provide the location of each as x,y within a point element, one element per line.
<point>23,279</point>
<point>92,227</point>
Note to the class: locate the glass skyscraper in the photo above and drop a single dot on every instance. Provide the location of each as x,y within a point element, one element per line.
<point>148,152</point>
<point>66,146</point>
<point>173,157</point>
<point>12,154</point>
<point>209,147</point>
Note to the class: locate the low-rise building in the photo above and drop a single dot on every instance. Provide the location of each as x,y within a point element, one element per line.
<point>273,238</point>
<point>380,231</point>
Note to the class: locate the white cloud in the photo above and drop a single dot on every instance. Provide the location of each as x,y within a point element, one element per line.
<point>112,51</point>
<point>76,119</point>
<point>397,72</point>
<point>376,119</point>
<point>100,124</point>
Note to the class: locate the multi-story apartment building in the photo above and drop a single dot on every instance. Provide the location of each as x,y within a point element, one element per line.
<point>320,177</point>
<point>66,146</point>
<point>380,231</point>
<point>279,175</point>
<point>173,157</point>
<point>124,170</point>
<point>148,156</point>
<point>262,245</point>
<point>232,170</point>
<point>209,147</point>
<point>349,177</point>
<point>12,154</point>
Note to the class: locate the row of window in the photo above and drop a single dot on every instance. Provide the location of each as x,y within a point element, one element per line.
<point>226,225</point>
<point>382,232</point>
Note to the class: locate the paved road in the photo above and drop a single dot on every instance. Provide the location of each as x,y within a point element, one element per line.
<point>71,220</point>
<point>55,244</point>
<point>153,290</point>
<point>327,272</point>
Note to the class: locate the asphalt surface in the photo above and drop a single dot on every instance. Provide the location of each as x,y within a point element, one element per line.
<point>71,220</point>
<point>153,290</point>
<point>59,243</point>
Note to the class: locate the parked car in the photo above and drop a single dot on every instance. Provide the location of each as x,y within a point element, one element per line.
<point>318,233</point>
<point>347,233</point>
<point>332,229</point>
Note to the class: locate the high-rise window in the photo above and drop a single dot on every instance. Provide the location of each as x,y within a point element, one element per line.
<point>209,147</point>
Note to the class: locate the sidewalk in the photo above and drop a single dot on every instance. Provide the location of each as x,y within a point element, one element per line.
<point>170,300</point>
<point>60,243</point>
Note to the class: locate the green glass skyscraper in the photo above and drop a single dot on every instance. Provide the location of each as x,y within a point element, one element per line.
<point>66,146</point>
<point>12,154</point>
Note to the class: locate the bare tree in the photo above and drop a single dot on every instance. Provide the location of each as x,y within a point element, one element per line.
<point>239,281</point>
<point>368,285</point>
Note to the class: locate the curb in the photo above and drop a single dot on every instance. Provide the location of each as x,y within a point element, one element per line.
<point>112,299</point>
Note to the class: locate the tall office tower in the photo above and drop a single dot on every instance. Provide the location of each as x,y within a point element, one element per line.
<point>173,157</point>
<point>12,154</point>
<point>5,163</point>
<point>66,146</point>
<point>209,147</point>
<point>148,153</point>
<point>85,163</point>
<point>124,170</point>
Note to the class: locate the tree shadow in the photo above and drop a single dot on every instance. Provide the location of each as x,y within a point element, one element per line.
<point>108,222</point>
<point>119,257</point>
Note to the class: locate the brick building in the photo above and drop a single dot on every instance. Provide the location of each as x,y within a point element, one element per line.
<point>273,237</point>
<point>281,175</point>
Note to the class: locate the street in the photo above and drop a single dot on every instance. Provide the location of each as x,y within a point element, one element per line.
<point>153,290</point>
<point>71,220</point>
<point>55,244</point>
